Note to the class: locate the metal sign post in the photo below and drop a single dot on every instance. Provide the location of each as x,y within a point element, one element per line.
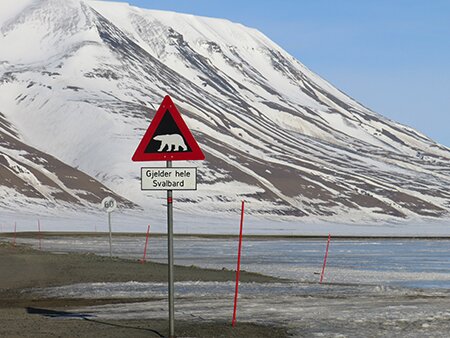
<point>170,258</point>
<point>168,138</point>
<point>109,204</point>
<point>110,235</point>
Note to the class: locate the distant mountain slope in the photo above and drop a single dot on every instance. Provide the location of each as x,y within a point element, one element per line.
<point>82,79</point>
<point>30,177</point>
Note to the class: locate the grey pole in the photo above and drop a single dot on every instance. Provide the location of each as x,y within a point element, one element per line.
<point>110,235</point>
<point>170,258</point>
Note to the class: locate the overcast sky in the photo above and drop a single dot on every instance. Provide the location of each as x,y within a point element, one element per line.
<point>393,56</point>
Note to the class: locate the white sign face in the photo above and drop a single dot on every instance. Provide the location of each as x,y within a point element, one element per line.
<point>169,178</point>
<point>109,204</point>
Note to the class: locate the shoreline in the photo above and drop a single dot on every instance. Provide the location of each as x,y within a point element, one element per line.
<point>43,234</point>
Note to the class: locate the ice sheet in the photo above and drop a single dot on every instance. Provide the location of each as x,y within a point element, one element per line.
<point>412,263</point>
<point>386,288</point>
<point>311,310</point>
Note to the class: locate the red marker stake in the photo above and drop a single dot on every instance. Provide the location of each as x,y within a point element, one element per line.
<point>15,233</point>
<point>238,269</point>
<point>39,234</point>
<point>325,259</point>
<point>146,243</point>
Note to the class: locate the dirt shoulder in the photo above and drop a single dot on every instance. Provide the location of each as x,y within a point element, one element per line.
<point>24,315</point>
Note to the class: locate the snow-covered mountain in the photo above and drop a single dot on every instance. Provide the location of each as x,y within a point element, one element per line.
<point>29,176</point>
<point>80,80</point>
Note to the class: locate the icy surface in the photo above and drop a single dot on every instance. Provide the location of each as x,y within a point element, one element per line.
<point>332,314</point>
<point>311,310</point>
<point>386,288</point>
<point>405,263</point>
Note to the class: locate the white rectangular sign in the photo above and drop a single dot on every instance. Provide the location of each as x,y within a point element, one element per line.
<point>168,178</point>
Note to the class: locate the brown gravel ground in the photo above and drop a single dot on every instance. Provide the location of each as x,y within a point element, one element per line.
<point>23,315</point>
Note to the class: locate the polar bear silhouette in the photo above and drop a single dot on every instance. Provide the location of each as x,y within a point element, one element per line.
<point>173,142</point>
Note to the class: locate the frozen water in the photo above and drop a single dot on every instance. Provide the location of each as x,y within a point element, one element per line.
<point>409,263</point>
<point>306,309</point>
<point>220,289</point>
<point>388,288</point>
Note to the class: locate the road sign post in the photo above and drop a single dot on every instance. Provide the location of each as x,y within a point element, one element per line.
<point>168,139</point>
<point>109,204</point>
<point>110,235</point>
<point>170,258</point>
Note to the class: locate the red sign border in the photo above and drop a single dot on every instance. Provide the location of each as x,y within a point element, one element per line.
<point>196,153</point>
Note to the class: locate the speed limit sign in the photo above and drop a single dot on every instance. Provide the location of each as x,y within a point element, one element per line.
<point>109,204</point>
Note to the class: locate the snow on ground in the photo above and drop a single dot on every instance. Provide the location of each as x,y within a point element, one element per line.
<point>7,12</point>
<point>320,316</point>
<point>307,310</point>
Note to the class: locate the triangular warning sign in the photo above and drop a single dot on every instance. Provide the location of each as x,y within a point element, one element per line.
<point>168,138</point>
